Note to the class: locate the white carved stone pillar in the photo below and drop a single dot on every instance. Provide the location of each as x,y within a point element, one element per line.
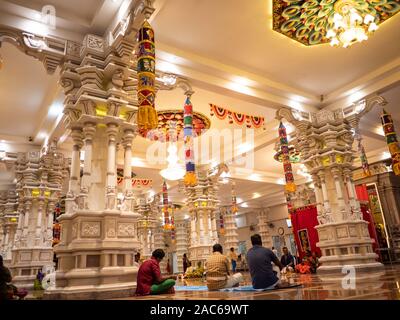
<point>231,236</point>
<point>76,134</point>
<point>112,130</point>
<point>325,140</point>
<point>340,196</point>
<point>263,228</point>
<point>127,186</point>
<point>39,183</point>
<point>181,241</point>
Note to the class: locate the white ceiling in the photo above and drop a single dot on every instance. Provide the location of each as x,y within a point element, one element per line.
<point>230,54</point>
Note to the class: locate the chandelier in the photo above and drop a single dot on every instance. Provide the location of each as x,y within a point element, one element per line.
<point>350,25</point>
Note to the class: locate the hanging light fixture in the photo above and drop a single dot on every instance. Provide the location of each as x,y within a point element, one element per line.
<point>174,171</point>
<point>350,25</point>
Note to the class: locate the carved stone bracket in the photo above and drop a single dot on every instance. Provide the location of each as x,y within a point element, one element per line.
<point>50,51</point>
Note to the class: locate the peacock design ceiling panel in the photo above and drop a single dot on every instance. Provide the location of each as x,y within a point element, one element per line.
<point>307,21</point>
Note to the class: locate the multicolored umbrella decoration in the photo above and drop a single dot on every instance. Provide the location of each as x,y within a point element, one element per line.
<point>146,63</point>
<point>391,140</point>
<point>287,166</point>
<point>190,178</point>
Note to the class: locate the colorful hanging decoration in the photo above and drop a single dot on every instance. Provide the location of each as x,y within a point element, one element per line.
<point>289,204</point>
<point>363,156</point>
<point>238,118</point>
<point>137,182</point>
<point>294,155</point>
<point>287,166</point>
<point>190,178</point>
<point>56,233</point>
<point>147,114</point>
<point>165,210</point>
<point>221,223</point>
<point>391,140</point>
<point>234,207</point>
<point>173,235</point>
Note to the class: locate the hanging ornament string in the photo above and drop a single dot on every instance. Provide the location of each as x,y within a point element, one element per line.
<point>147,115</point>
<point>167,223</point>
<point>173,235</point>
<point>221,223</point>
<point>363,156</point>
<point>190,178</point>
<point>234,207</point>
<point>287,166</point>
<point>391,141</point>
<point>238,118</point>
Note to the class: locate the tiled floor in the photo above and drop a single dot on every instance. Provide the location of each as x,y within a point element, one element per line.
<point>384,285</point>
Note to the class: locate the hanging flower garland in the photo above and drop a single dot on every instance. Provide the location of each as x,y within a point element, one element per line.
<point>167,223</point>
<point>147,114</point>
<point>287,166</point>
<point>234,207</point>
<point>190,178</point>
<point>391,140</point>
<point>173,235</point>
<point>363,156</point>
<point>239,118</point>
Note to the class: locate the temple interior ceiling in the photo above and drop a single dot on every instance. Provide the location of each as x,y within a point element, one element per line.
<point>233,58</point>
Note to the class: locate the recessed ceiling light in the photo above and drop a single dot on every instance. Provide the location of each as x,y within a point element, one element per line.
<point>256,195</point>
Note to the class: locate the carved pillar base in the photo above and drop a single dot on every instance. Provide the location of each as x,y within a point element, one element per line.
<point>95,256</point>
<point>27,262</point>
<point>346,244</point>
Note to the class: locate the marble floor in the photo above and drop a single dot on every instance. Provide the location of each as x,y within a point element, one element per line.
<point>383,285</point>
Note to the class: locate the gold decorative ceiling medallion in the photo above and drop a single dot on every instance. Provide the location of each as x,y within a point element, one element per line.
<point>338,22</point>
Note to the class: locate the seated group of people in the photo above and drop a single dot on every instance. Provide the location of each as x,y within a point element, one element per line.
<point>260,262</point>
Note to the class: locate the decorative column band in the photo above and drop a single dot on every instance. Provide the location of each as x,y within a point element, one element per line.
<point>147,115</point>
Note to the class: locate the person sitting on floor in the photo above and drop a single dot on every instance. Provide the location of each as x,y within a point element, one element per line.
<point>149,279</point>
<point>259,260</point>
<point>5,278</point>
<point>217,271</point>
<point>287,259</point>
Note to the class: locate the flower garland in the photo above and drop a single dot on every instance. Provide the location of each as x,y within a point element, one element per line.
<point>391,140</point>
<point>190,178</point>
<point>146,62</point>
<point>239,118</point>
<point>363,156</point>
<point>173,235</point>
<point>287,166</point>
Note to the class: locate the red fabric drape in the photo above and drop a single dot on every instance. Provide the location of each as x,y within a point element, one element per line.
<point>367,216</point>
<point>304,221</point>
<point>362,193</point>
